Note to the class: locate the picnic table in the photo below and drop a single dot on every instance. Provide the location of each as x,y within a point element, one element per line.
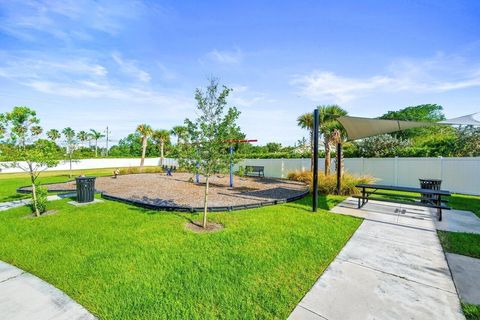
<point>428,197</point>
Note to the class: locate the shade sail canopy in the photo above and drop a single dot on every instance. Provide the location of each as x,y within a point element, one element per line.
<point>358,128</point>
<point>468,120</point>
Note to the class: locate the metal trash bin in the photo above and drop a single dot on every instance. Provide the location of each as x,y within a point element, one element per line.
<point>85,189</point>
<point>432,184</point>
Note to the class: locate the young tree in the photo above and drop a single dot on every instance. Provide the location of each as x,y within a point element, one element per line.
<point>31,154</point>
<point>96,135</point>
<point>53,134</point>
<point>205,149</point>
<point>161,137</point>
<point>71,144</point>
<point>146,131</point>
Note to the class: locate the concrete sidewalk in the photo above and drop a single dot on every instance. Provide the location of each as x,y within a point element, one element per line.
<point>18,203</point>
<point>24,296</point>
<point>393,267</point>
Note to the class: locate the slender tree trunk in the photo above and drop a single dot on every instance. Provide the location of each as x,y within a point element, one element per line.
<point>144,150</point>
<point>161,152</point>
<point>34,194</point>
<point>70,173</point>
<point>327,157</point>
<point>205,203</point>
<point>96,148</point>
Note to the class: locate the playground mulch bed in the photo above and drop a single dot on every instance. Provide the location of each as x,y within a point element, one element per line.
<point>179,190</point>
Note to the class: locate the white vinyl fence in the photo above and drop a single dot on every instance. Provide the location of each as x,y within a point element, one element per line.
<point>461,175</point>
<point>99,163</point>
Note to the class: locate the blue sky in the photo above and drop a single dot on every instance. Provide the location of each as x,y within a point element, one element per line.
<point>89,64</point>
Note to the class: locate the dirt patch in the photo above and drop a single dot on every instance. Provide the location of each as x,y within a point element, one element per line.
<point>197,227</point>
<point>46,213</point>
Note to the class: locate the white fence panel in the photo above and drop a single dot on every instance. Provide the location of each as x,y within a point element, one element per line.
<point>460,175</point>
<point>98,163</point>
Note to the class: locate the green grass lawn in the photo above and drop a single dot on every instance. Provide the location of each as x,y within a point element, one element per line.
<point>123,262</point>
<point>466,244</point>
<point>9,182</point>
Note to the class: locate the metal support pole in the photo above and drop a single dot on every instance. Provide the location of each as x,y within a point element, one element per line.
<point>197,176</point>
<point>315,160</point>
<point>339,168</point>
<point>231,166</point>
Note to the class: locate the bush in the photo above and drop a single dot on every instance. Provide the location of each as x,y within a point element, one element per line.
<point>135,170</point>
<point>328,184</point>
<point>42,193</point>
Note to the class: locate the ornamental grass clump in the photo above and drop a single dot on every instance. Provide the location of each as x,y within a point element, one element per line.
<point>328,184</point>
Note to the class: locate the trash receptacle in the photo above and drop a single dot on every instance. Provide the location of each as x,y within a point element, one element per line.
<point>432,184</point>
<point>85,189</point>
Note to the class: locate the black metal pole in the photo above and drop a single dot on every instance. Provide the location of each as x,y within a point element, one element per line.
<point>339,168</point>
<point>315,160</point>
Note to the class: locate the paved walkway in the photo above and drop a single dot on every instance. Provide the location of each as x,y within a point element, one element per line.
<point>18,203</point>
<point>24,296</point>
<point>393,267</point>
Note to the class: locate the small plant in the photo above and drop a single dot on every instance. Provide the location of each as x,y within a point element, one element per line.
<point>41,199</point>
<point>241,171</point>
<point>328,184</point>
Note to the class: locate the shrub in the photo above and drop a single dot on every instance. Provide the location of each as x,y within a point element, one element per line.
<point>135,170</point>
<point>42,193</point>
<point>328,184</point>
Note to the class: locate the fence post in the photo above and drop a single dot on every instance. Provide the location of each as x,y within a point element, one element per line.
<point>396,170</point>
<point>441,167</point>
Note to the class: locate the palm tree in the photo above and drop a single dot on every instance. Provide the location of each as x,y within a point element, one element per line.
<point>161,136</point>
<point>82,136</point>
<point>305,121</point>
<point>96,135</point>
<point>53,134</point>
<point>179,132</point>
<point>71,143</point>
<point>330,129</point>
<point>145,131</point>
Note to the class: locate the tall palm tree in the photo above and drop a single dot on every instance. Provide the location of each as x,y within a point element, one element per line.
<point>330,129</point>
<point>53,134</point>
<point>179,132</point>
<point>305,121</point>
<point>96,135</point>
<point>145,131</point>
<point>82,136</point>
<point>161,137</point>
<point>71,143</point>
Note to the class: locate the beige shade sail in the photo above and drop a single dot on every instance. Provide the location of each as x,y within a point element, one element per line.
<point>468,120</point>
<point>358,128</point>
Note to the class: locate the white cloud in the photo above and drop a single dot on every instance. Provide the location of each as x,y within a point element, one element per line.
<point>226,57</point>
<point>67,19</point>
<point>438,74</point>
<point>130,67</point>
<point>242,96</point>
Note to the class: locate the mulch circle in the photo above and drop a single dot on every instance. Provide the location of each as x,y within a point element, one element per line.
<point>198,228</point>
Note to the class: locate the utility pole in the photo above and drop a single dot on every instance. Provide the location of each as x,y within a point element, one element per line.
<point>107,133</point>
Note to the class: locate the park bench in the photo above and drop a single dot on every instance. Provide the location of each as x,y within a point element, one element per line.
<point>254,171</point>
<point>428,198</point>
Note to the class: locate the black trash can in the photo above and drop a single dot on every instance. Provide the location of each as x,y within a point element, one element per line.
<point>85,189</point>
<point>432,184</point>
